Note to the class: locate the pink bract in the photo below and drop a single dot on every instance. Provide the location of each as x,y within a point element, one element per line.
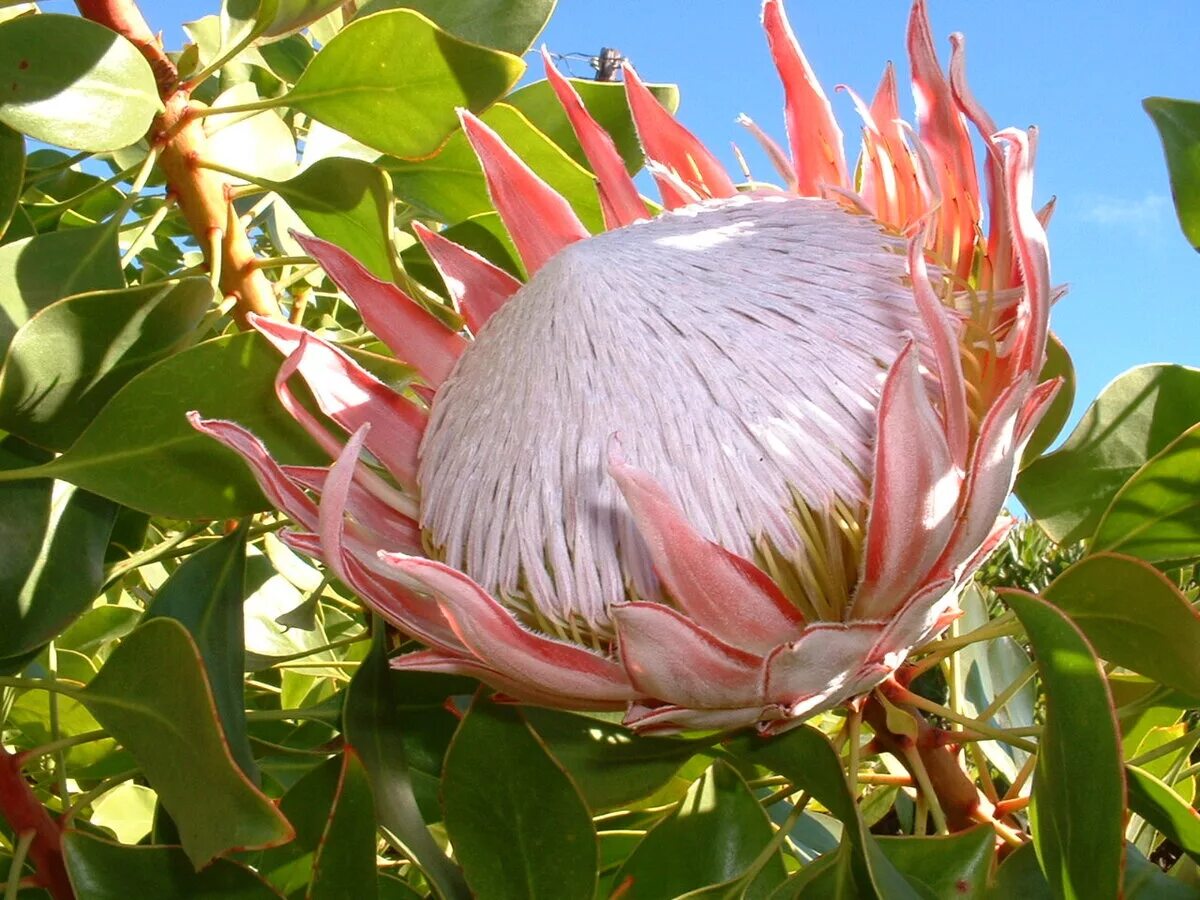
<point>723,466</point>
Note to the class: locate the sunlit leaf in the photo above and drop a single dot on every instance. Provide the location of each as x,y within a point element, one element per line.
<point>1078,791</point>
<point>951,866</point>
<point>71,82</point>
<point>511,25</point>
<point>1156,802</point>
<point>1178,123</point>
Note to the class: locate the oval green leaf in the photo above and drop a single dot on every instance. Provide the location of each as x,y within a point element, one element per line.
<point>951,867</point>
<point>344,864</point>
<point>1078,805</point>
<point>152,696</point>
<point>1134,418</point>
<point>12,173</point>
<point>1178,124</point>
<point>517,823</point>
<point>1058,365</point>
<point>1155,801</point>
<point>72,357</point>
<point>511,25</point>
<point>71,82</point>
<point>402,103</point>
<point>1133,616</point>
<point>1156,514</point>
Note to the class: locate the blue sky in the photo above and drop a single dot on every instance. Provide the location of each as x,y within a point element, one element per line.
<point>1076,68</point>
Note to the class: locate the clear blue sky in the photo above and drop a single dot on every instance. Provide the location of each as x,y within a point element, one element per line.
<point>1076,68</point>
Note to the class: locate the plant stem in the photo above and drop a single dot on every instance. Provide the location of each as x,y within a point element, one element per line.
<point>202,195</point>
<point>25,813</point>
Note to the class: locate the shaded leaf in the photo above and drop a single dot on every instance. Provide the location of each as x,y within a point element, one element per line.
<point>611,765</point>
<point>1078,799</point>
<point>71,82</point>
<point>344,865</point>
<point>951,867</point>
<point>12,173</point>
<point>518,825</point>
<point>1058,365</point>
<point>1156,513</point>
<point>400,103</point>
<point>153,697</point>
<point>1133,616</point>
<point>71,358</point>
<point>1178,124</point>
<point>36,271</point>
<point>102,870</point>
<point>53,537</point>
<point>718,828</point>
<point>375,728</point>
<point>511,25</point>
<point>205,595</point>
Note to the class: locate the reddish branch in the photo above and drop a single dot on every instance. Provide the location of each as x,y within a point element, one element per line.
<point>25,813</point>
<point>202,195</point>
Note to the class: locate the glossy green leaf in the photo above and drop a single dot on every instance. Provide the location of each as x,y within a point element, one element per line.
<point>53,537</point>
<point>400,103</point>
<point>244,20</point>
<point>102,870</point>
<point>344,864</point>
<point>347,202</point>
<point>376,726</point>
<point>612,766</point>
<point>1134,418</point>
<point>1146,881</point>
<point>1156,514</point>
<point>718,828</point>
<point>518,825</point>
<point>1021,876</point>
<point>308,805</point>
<point>72,357</point>
<point>450,187</point>
<point>1134,616</point>
<point>952,867</point>
<point>141,451</point>
<point>607,104</point>
<point>38,270</point>
<point>1078,802</point>
<point>71,82</point>
<point>291,15</point>
<point>153,697</point>
<point>1058,365</point>
<point>205,596</point>
<point>806,758</point>
<point>511,25</point>
<point>12,173</point>
<point>1178,124</point>
<point>1155,801</point>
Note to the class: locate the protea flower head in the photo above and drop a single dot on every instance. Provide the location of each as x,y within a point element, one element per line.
<point>722,466</point>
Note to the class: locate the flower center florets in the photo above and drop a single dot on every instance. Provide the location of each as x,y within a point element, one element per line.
<point>738,348</point>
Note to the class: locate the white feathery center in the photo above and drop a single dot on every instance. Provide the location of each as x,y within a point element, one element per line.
<point>738,347</point>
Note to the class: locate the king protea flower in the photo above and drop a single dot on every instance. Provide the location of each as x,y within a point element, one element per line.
<point>721,466</point>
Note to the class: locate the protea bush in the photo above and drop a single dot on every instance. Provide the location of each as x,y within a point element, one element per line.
<point>575,542</point>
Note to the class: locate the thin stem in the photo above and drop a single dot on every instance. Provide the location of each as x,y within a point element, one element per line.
<point>999,701</point>
<point>276,715</point>
<point>123,175</point>
<point>20,851</point>
<point>278,262</point>
<point>45,684</point>
<point>214,166</point>
<point>155,553</point>
<point>252,106</point>
<point>142,239</point>
<point>27,756</point>
<point>1187,739</point>
<point>1002,626</point>
<point>769,850</point>
<point>1014,790</point>
<point>60,759</point>
<point>32,178</point>
<point>139,183</point>
<point>921,776</point>
<point>1006,735</point>
<point>853,724</point>
<point>82,800</point>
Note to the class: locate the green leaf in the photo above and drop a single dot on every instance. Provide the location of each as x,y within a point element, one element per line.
<point>1146,881</point>
<point>450,187</point>
<point>153,697</point>
<point>511,25</point>
<point>344,865</point>
<point>400,103</point>
<point>12,173</point>
<point>1078,801</point>
<point>1058,365</point>
<point>1134,616</point>
<point>1134,418</point>
<point>53,537</point>
<point>71,82</point>
<point>607,104</point>
<point>102,870</point>
<point>719,829</point>
<point>36,271</point>
<point>72,357</point>
<point>1021,876</point>
<point>518,825</point>
<point>292,15</point>
<point>377,726</point>
<point>1178,124</point>
<point>1155,801</point>
<point>205,596</point>
<point>612,766</point>
<point>1156,514</point>
<point>954,867</point>
<point>806,758</point>
<point>141,451</point>
<point>347,202</point>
